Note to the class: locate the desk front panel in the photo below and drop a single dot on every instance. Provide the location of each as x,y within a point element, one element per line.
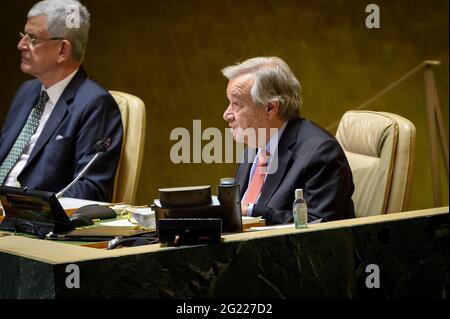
<point>325,261</point>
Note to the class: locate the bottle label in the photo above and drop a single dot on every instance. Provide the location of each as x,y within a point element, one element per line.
<point>300,216</point>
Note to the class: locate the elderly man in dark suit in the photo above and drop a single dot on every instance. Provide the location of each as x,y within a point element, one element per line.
<point>263,113</point>
<point>55,120</point>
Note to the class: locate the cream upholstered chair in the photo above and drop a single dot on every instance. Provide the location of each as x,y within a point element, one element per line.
<point>380,148</point>
<point>132,110</point>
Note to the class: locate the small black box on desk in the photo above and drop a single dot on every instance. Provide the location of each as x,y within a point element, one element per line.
<point>189,231</point>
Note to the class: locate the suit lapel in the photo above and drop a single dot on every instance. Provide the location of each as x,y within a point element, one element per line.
<point>272,181</point>
<point>242,176</point>
<point>58,113</point>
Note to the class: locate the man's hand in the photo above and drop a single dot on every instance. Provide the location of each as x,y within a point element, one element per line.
<point>244,208</point>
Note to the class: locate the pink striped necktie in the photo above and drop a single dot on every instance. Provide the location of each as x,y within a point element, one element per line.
<point>257,180</point>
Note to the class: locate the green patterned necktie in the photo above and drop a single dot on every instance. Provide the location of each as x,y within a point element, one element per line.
<point>28,130</point>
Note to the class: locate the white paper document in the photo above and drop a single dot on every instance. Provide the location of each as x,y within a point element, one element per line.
<point>71,203</point>
<point>120,222</point>
<point>132,216</point>
<point>250,219</point>
<point>284,225</point>
<point>273,227</point>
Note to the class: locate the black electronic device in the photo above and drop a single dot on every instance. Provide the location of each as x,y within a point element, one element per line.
<point>185,196</point>
<point>40,213</point>
<point>100,233</point>
<point>189,231</point>
<point>197,202</point>
<point>32,211</point>
<point>96,211</point>
<point>81,220</point>
<point>120,241</point>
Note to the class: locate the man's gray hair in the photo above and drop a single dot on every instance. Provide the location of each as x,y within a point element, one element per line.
<point>273,80</point>
<point>59,13</point>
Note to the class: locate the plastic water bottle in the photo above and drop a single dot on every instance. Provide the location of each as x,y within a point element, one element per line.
<point>300,210</point>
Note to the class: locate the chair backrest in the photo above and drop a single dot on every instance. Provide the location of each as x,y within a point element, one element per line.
<point>132,110</point>
<point>380,148</point>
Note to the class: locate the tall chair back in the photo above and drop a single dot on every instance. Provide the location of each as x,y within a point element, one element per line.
<point>380,148</point>
<point>132,110</point>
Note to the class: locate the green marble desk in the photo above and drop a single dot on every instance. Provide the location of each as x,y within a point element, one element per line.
<point>326,260</point>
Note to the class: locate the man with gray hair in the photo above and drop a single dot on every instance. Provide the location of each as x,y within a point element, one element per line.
<point>264,113</point>
<point>55,121</point>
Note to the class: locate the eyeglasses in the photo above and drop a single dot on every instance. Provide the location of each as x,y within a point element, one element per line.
<point>32,40</point>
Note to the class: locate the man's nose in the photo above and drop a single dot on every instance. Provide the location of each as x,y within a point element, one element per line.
<point>228,114</point>
<point>22,44</point>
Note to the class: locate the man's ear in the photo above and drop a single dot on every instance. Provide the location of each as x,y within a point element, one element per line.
<point>65,51</point>
<point>272,109</point>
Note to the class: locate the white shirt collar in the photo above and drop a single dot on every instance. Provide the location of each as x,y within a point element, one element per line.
<point>274,143</point>
<point>56,90</point>
<point>280,132</point>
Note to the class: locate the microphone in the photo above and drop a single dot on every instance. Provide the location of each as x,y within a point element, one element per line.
<point>100,147</point>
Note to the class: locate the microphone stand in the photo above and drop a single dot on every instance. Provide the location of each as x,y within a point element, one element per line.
<point>101,147</point>
<point>65,189</point>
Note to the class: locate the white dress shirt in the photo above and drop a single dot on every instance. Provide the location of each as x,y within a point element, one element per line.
<point>54,93</point>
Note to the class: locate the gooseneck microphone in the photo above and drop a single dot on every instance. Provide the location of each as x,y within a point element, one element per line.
<point>100,147</point>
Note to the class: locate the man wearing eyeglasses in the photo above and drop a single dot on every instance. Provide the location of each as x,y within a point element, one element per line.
<point>55,120</point>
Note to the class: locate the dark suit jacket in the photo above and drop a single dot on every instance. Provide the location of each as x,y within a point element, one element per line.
<point>308,158</point>
<point>84,114</point>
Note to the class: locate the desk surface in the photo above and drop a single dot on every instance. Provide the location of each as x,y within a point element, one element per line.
<point>53,252</point>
